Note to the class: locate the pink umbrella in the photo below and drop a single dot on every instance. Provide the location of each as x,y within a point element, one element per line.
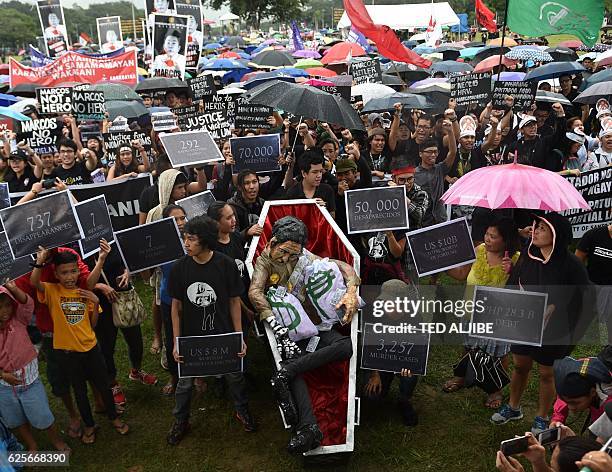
<point>319,83</point>
<point>489,63</point>
<point>320,72</point>
<point>307,54</point>
<point>571,43</point>
<point>515,186</point>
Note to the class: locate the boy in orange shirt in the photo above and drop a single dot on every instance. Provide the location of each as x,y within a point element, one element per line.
<point>74,312</point>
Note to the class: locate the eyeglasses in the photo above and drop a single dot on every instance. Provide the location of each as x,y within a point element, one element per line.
<point>425,128</point>
<point>66,151</point>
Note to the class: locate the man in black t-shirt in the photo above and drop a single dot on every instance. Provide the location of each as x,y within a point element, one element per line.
<point>71,171</point>
<point>311,165</point>
<point>596,248</point>
<point>205,287</point>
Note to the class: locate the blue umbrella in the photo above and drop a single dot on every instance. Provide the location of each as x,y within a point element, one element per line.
<point>423,50</point>
<point>211,46</point>
<point>264,77</point>
<point>553,70</point>
<point>469,53</point>
<point>223,64</point>
<point>293,72</point>
<point>6,99</point>
<point>15,115</point>
<point>509,76</point>
<point>602,76</point>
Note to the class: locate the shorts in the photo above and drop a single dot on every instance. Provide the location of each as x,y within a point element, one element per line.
<point>25,404</point>
<point>544,355</point>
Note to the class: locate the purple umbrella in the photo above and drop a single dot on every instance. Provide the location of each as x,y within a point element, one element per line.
<point>306,54</point>
<point>510,76</point>
<point>430,81</point>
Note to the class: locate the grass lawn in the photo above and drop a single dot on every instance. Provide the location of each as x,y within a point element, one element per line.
<point>454,433</point>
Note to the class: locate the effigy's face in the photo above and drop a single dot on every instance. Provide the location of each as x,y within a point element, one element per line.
<point>286,252</point>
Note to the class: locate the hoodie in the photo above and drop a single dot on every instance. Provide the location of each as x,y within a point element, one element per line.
<point>563,277</point>
<point>165,184</point>
<point>16,349</point>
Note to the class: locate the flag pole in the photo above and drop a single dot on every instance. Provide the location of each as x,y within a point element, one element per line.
<point>502,44</point>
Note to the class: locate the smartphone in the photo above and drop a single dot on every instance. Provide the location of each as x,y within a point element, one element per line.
<point>549,436</point>
<point>514,446</point>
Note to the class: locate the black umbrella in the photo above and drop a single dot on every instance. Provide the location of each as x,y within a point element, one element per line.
<point>25,89</point>
<point>408,100</point>
<point>392,80</point>
<point>449,53</point>
<point>307,102</point>
<point>154,84</point>
<point>562,54</point>
<point>116,92</point>
<point>474,44</point>
<point>489,51</point>
<point>235,41</point>
<point>273,58</point>
<point>595,92</point>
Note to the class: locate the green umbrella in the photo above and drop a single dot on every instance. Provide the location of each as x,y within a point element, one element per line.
<point>308,63</point>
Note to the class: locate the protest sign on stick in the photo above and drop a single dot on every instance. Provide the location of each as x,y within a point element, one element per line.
<point>471,88</point>
<point>96,223</point>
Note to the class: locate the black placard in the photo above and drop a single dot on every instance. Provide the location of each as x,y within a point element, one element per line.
<point>88,104</point>
<point>343,91</point>
<point>190,148</point>
<point>41,135</point>
<point>48,221</point>
<point>376,209</point>
<point>225,101</point>
<point>257,153</point>
<point>366,71</point>
<point>96,224</point>
<point>441,247</point>
<point>386,348</point>
<point>202,86</point>
<point>523,91</point>
<point>204,356</point>
<point>516,316</point>
<point>203,118</point>
<point>163,121</point>
<point>10,268</point>
<point>54,100</point>
<point>197,204</point>
<point>150,245</point>
<point>113,140</point>
<point>252,116</point>
<point>5,196</point>
<point>471,88</point>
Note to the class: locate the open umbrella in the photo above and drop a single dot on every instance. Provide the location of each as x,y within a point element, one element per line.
<point>371,90</point>
<point>7,99</point>
<point>470,53</point>
<point>223,64</point>
<point>308,102</point>
<point>262,77</point>
<point>306,54</point>
<point>126,108</point>
<point>212,46</point>
<point>422,49</point>
<point>450,67</point>
<point>160,83</point>
<point>320,72</point>
<point>307,63</point>
<point>571,43</point>
<point>408,100</point>
<point>601,76</point>
<point>506,41</point>
<point>392,80</point>
<point>292,71</point>
<point>274,58</point>
<point>340,52</point>
<point>560,54</point>
<point>595,92</point>
<point>15,115</point>
<point>604,59</point>
<point>551,97</point>
<point>535,55</point>
<point>229,55</point>
<point>509,76</point>
<point>235,41</point>
<point>437,92</point>
<point>116,92</point>
<point>553,70</point>
<point>24,89</point>
<point>489,51</point>
<point>514,186</point>
<point>493,61</point>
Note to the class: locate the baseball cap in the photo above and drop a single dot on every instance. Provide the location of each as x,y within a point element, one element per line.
<point>344,165</point>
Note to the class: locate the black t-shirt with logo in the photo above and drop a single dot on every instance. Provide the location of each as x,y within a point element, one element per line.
<point>597,243</point>
<point>205,291</point>
<point>78,174</point>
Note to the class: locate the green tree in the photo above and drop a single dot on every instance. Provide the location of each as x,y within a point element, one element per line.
<point>255,11</point>
<point>16,28</point>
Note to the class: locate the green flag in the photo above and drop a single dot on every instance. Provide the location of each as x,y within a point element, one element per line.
<point>582,18</point>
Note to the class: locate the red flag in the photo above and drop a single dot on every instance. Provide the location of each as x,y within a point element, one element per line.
<point>485,16</point>
<point>387,42</point>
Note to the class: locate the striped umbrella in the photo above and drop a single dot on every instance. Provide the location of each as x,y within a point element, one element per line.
<point>535,55</point>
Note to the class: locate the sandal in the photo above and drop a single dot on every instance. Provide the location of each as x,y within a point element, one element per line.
<point>494,401</point>
<point>168,389</point>
<point>74,433</point>
<point>155,347</point>
<point>89,438</point>
<point>122,428</point>
<point>452,385</point>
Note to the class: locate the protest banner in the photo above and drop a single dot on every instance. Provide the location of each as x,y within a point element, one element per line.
<point>113,140</point>
<point>516,316</point>
<point>252,116</point>
<point>202,86</point>
<point>523,92</point>
<point>5,197</point>
<point>216,354</point>
<point>41,135</point>
<point>190,148</point>
<point>169,46</point>
<point>163,121</point>
<point>441,247</point>
<point>96,224</point>
<point>51,16</point>
<point>49,221</point>
<point>193,118</point>
<point>77,67</point>
<point>110,37</point>
<point>387,348</point>
<point>88,104</point>
<point>376,209</point>
<point>471,88</point>
<point>192,9</point>
<point>11,268</point>
<point>596,188</point>
<point>6,124</point>
<point>150,245</point>
<point>196,205</point>
<point>366,71</point>
<point>54,100</point>
<point>257,153</point>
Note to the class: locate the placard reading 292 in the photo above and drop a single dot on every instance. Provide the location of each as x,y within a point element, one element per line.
<point>376,209</point>
<point>190,148</point>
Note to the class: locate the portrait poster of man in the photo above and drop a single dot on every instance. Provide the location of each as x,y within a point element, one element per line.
<point>159,7</point>
<point>110,36</point>
<point>53,26</point>
<point>195,38</point>
<point>169,46</point>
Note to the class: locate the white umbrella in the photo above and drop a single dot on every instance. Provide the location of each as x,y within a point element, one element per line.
<point>418,37</point>
<point>230,91</point>
<point>229,17</point>
<point>371,90</point>
<point>605,58</point>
